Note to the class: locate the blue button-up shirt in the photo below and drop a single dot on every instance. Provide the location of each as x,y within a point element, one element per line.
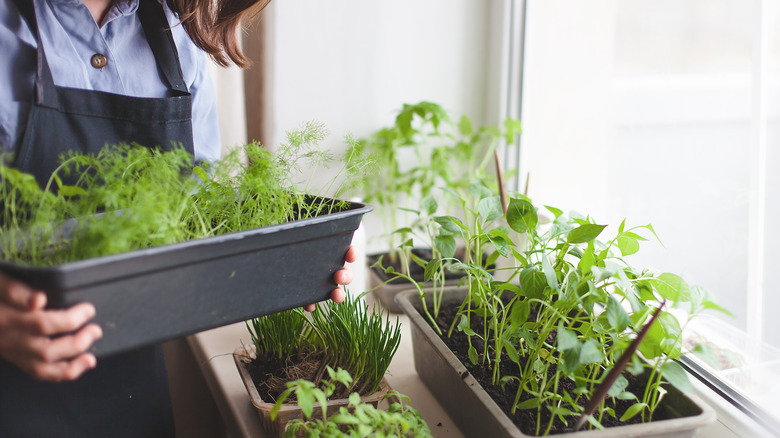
<point>71,37</point>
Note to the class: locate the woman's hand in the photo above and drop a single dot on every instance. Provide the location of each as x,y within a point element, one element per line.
<point>41,342</point>
<point>342,277</point>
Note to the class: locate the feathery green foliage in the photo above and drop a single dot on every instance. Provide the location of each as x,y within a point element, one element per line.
<point>130,197</point>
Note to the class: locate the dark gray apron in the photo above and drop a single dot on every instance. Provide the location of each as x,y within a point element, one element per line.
<point>127,394</point>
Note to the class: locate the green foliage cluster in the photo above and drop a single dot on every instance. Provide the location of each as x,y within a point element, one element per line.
<point>349,335</point>
<point>357,420</point>
<point>564,307</point>
<point>130,197</point>
<point>423,149</point>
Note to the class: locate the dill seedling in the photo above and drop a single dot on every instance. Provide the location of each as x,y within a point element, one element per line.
<point>130,197</point>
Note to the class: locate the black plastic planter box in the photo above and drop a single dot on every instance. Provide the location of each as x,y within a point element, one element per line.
<point>153,295</point>
<point>464,399</point>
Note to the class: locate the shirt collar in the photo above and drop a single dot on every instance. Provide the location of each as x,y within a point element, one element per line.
<point>120,8</point>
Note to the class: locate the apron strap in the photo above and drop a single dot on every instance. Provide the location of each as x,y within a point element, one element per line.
<point>158,34</point>
<point>43,82</point>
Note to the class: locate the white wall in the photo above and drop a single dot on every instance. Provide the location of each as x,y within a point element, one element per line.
<point>352,63</point>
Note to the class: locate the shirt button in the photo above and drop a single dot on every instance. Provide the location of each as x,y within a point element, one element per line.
<point>99,60</point>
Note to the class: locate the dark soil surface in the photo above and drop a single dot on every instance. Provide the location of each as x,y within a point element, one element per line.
<point>271,376</point>
<point>526,420</point>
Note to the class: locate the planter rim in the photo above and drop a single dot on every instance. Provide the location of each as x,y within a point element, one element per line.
<point>659,427</point>
<point>353,209</point>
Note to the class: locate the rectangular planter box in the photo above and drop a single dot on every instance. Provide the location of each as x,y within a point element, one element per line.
<point>464,399</point>
<point>152,295</point>
<point>289,412</point>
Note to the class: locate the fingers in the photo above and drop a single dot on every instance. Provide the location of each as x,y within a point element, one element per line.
<point>343,276</point>
<point>53,322</point>
<point>63,370</point>
<point>64,347</point>
<point>352,254</point>
<point>18,294</point>
<point>338,295</point>
<point>46,344</point>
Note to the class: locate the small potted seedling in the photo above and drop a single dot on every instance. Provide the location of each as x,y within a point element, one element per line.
<point>356,419</point>
<point>288,346</point>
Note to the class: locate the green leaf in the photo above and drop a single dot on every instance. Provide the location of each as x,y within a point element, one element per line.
<point>500,241</point>
<point>429,205</point>
<point>354,398</point>
<point>521,309</point>
<point>70,191</point>
<point>531,403</point>
<point>513,129</point>
<point>632,411</point>
<point>445,245</point>
<point>343,419</point>
<point>585,233</point>
<point>636,367</point>
<point>464,126</point>
<point>449,225</point>
<point>473,357</point>
<point>617,316</point>
<point>200,173</point>
<point>430,269</point>
<point>617,388</point>
<point>651,344</point>
<point>521,215</point>
<point>511,351</point>
<point>479,191</point>
<point>567,339</point>
<point>463,326</point>
<point>490,208</point>
<point>676,375</point>
<point>591,352</point>
<point>306,398</point>
<point>555,211</point>
<point>532,283</point>
<point>673,287</point>
<point>627,244</point>
<point>549,274</point>
<point>587,260</point>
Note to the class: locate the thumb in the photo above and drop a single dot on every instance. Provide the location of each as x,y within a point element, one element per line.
<point>17,294</point>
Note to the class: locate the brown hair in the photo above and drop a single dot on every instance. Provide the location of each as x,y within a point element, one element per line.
<point>213,25</point>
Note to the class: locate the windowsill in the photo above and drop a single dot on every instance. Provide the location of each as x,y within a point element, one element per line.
<point>213,350</point>
<point>731,422</point>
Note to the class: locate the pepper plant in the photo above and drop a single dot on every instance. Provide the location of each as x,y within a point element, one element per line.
<point>564,310</point>
<point>443,152</point>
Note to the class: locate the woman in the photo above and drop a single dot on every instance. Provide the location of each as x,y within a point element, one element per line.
<point>81,74</point>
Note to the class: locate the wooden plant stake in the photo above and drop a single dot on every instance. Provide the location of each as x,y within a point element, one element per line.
<point>501,189</point>
<point>603,388</point>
